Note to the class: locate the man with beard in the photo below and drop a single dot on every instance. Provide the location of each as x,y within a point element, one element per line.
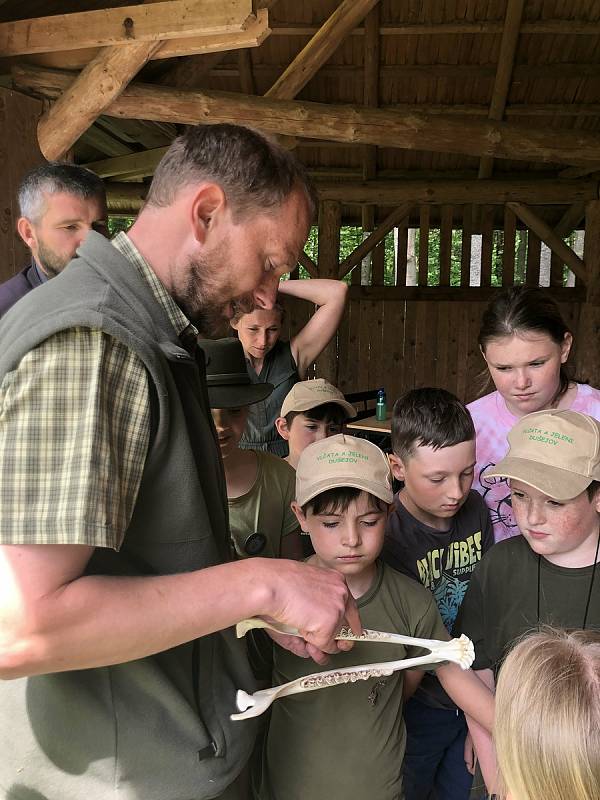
<point>117,589</point>
<point>60,204</point>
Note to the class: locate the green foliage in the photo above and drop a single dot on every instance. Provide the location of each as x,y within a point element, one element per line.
<point>116,224</point>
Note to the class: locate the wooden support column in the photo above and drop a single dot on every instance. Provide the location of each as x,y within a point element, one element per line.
<point>588,329</point>
<point>330,219</point>
<point>506,61</point>
<point>20,153</point>
<point>548,236</point>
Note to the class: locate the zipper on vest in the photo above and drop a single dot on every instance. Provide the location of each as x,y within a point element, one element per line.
<point>211,750</point>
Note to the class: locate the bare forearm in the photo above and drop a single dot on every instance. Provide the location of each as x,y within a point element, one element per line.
<point>469,693</point>
<point>97,620</point>
<point>486,754</point>
<point>94,621</point>
<point>319,291</point>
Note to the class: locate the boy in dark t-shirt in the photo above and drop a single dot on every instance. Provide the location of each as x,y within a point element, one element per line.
<point>550,575</point>
<point>436,534</point>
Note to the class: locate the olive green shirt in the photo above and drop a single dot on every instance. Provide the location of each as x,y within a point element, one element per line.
<point>265,508</point>
<point>347,742</point>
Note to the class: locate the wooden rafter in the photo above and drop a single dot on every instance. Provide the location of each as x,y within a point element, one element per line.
<point>120,26</point>
<point>338,122</point>
<point>563,27</point>
<point>393,193</point>
<point>252,36</point>
<point>464,72</point>
<point>308,264</point>
<point>325,42</point>
<point>547,235</point>
<point>370,100</point>
<point>570,219</point>
<point>391,221</point>
<point>95,88</point>
<point>506,61</point>
<point>440,191</point>
<point>139,165</point>
<point>246,75</point>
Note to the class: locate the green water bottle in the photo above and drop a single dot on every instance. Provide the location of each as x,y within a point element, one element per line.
<point>380,407</point>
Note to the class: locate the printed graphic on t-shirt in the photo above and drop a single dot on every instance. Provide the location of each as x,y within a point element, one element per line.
<point>496,493</point>
<point>440,570</point>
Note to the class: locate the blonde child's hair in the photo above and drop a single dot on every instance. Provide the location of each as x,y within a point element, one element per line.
<point>547,728</point>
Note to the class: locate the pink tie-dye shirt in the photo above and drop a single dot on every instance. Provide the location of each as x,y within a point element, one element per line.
<point>493,421</point>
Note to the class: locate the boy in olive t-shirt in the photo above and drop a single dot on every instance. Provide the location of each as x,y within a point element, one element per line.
<point>260,485</point>
<point>347,741</point>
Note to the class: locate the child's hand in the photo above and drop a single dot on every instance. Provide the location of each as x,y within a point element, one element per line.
<point>470,755</point>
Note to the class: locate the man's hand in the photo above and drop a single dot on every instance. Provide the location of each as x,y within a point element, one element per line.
<point>315,601</point>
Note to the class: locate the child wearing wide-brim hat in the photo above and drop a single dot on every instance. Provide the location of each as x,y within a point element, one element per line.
<point>260,486</point>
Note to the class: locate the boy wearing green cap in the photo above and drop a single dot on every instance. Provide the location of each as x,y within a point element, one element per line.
<point>348,741</point>
<point>546,576</point>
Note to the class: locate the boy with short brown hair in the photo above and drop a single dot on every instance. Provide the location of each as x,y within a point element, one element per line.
<point>436,533</point>
<point>312,410</point>
<point>348,741</point>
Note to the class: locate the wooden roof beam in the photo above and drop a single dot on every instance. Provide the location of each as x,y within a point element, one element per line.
<point>506,62</point>
<point>391,221</point>
<point>486,192</point>
<point>563,27</point>
<point>468,136</point>
<point>325,42</point>
<point>554,242</point>
<point>252,36</point>
<point>371,100</point>
<point>393,193</point>
<point>121,26</point>
<point>95,88</point>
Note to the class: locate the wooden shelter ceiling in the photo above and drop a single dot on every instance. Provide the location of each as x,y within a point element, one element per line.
<point>529,65</point>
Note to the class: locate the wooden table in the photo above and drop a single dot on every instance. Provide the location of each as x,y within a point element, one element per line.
<point>372,424</point>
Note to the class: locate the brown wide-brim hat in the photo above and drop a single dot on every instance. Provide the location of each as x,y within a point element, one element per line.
<point>227,380</point>
<point>555,452</point>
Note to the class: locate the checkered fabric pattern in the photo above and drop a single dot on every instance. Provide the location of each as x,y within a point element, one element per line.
<point>74,432</point>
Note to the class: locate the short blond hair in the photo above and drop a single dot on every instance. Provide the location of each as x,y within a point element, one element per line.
<point>547,728</point>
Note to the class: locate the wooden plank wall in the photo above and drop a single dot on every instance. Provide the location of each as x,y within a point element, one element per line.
<point>18,123</point>
<point>401,337</point>
<point>404,344</point>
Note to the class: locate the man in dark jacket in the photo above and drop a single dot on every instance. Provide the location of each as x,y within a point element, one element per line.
<point>60,204</point>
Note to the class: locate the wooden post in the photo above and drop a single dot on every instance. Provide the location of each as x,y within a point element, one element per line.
<point>588,329</point>
<point>330,218</point>
<point>20,152</point>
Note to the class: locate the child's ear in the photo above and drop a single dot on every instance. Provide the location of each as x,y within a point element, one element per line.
<point>397,466</point>
<point>282,428</point>
<point>300,516</point>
